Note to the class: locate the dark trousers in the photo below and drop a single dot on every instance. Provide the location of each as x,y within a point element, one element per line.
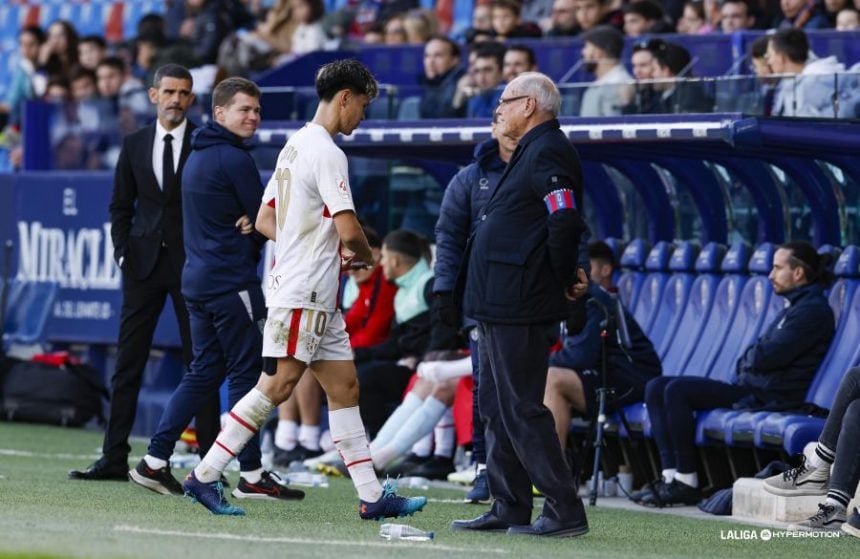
<point>227,341</point>
<point>142,303</point>
<point>381,384</point>
<point>522,447</point>
<point>841,433</point>
<point>672,402</point>
<point>479,445</point>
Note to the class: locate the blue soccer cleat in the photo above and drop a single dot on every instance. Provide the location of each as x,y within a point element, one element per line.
<point>390,505</point>
<point>210,495</point>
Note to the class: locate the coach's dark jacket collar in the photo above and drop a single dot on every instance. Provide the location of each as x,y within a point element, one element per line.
<point>534,133</point>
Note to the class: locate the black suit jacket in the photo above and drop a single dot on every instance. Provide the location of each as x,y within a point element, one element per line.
<point>143,217</point>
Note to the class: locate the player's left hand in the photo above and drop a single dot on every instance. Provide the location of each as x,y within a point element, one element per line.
<point>245,225</point>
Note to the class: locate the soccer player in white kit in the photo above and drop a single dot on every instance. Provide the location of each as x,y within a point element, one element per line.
<point>308,211</point>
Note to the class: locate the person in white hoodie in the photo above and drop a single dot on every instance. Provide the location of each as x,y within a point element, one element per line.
<point>613,88</point>
<point>807,84</point>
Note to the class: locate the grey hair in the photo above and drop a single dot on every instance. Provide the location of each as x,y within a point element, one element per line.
<point>542,88</point>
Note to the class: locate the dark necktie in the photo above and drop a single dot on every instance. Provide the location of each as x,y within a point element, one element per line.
<point>168,172</point>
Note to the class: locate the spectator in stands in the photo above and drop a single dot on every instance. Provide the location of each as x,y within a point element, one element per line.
<point>576,370</point>
<point>384,369</point>
<point>83,84</point>
<point>612,89</point>
<point>672,63</point>
<point>375,35</point>
<point>395,31</point>
<point>277,29</point>
<point>308,35</point>
<point>518,59</point>
<point>482,95</point>
<point>25,80</point>
<point>91,50</point>
<point>800,14</point>
<point>591,13</point>
<point>507,23</point>
<point>115,83</point>
<point>806,86</point>
<point>148,53</point>
<point>459,215</point>
<point>59,52</point>
<point>833,468</point>
<point>693,20</point>
<point>848,20</point>
<point>57,91</point>
<point>774,372</point>
<point>759,101</point>
<point>830,10</point>
<point>645,17</point>
<point>442,72</point>
<point>563,22</point>
<point>736,15</point>
<point>643,62</point>
<point>207,24</point>
<point>482,22</point>
<point>420,25</point>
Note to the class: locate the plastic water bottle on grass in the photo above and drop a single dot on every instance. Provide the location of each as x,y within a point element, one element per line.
<point>390,531</point>
<point>413,482</point>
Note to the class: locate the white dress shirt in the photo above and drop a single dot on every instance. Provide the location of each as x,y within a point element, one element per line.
<point>178,134</point>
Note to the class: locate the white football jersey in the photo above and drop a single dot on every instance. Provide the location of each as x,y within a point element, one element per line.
<point>308,187</point>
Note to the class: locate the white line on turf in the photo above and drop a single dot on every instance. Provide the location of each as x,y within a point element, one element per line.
<point>306,541</point>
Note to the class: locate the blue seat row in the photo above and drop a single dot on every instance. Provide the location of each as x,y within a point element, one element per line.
<point>702,309</point>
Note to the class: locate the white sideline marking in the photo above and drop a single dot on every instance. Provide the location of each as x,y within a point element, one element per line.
<point>306,541</point>
<point>28,454</point>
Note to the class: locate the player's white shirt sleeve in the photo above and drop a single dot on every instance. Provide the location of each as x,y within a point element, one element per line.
<point>333,181</point>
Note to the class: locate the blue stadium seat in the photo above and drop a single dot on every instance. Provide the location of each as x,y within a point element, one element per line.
<point>651,293</point>
<point>29,305</point>
<point>632,275</point>
<point>617,246</point>
<point>790,431</point>
<point>409,108</point>
<point>748,323</point>
<point>674,298</point>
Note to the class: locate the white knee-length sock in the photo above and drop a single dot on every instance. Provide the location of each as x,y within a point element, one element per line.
<point>242,423</point>
<point>410,403</point>
<point>419,424</point>
<point>347,432</point>
<point>443,435</point>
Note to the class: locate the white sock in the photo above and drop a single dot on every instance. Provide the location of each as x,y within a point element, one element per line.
<point>410,403</point>
<point>309,436</point>
<point>325,441</point>
<point>347,432</point>
<point>423,446</point>
<point>286,434</point>
<point>443,435</point>
<point>688,479</point>
<point>439,371</point>
<point>253,476</point>
<point>418,425</point>
<point>154,463</point>
<point>480,467</point>
<point>669,474</point>
<point>830,501</point>
<point>243,423</point>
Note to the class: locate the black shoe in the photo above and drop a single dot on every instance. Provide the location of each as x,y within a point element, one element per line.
<point>487,522</point>
<point>406,466</point>
<point>299,453</point>
<point>657,484</point>
<point>675,493</point>
<point>161,480</point>
<point>437,467</point>
<point>102,470</point>
<point>545,526</point>
<point>269,487</point>
<point>480,492</point>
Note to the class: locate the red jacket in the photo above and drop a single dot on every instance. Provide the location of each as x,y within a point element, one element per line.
<point>369,318</point>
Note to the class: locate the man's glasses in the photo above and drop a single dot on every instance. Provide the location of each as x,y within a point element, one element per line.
<point>503,101</point>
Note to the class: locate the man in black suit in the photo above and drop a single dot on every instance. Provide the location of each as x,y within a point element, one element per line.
<point>520,270</point>
<point>146,227</point>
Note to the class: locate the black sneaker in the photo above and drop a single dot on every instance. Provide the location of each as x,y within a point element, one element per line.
<point>437,467</point>
<point>269,487</point>
<point>405,467</point>
<point>852,525</point>
<point>657,484</point>
<point>480,492</point>
<point>161,480</point>
<point>675,493</point>
<point>284,458</point>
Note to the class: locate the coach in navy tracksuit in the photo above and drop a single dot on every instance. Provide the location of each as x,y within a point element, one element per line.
<point>465,197</point>
<point>221,191</point>
<point>521,261</point>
